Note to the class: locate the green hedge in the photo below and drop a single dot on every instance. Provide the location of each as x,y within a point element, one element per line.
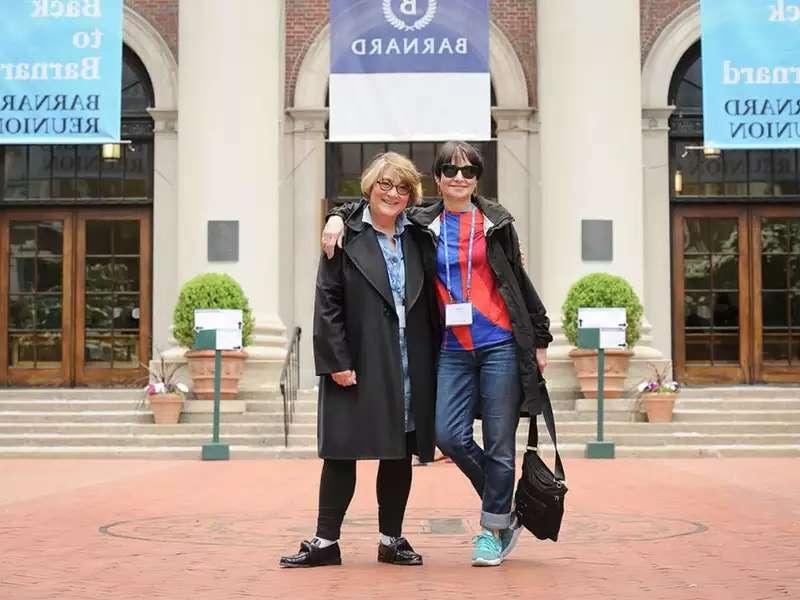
<point>602,290</point>
<point>209,290</point>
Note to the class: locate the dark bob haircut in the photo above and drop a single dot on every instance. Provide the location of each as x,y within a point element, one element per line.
<point>450,150</point>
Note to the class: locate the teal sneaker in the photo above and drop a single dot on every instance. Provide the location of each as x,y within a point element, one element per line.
<point>509,536</point>
<point>487,550</point>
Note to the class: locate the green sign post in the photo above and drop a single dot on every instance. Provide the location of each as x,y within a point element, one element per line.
<point>599,329</point>
<point>217,330</point>
<point>206,339</point>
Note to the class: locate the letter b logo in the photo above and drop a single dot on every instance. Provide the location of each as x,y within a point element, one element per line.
<point>408,7</point>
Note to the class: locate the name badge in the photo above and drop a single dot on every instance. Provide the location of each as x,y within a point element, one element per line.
<point>401,315</point>
<point>458,314</point>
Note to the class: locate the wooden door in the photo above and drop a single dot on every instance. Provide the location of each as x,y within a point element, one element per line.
<point>112,320</point>
<point>776,301</point>
<point>711,285</point>
<point>36,310</point>
<point>76,298</point>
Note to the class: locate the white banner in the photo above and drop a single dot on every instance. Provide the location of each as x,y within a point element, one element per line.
<point>409,70</point>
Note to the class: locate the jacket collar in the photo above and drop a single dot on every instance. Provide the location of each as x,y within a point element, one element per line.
<point>494,215</point>
<point>367,256</point>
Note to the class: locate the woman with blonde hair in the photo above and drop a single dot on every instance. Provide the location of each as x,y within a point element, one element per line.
<point>375,326</point>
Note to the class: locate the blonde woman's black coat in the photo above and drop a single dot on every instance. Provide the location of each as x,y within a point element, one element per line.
<point>356,327</point>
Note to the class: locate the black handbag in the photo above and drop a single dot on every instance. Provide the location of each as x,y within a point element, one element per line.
<point>540,492</point>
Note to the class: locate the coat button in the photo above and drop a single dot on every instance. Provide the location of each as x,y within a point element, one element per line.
<point>386,310</point>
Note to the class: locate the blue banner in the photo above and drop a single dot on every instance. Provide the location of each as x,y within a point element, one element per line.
<point>60,71</point>
<point>751,73</point>
<point>409,36</point>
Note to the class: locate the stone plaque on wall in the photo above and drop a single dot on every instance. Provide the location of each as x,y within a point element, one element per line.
<point>597,239</point>
<point>223,241</point>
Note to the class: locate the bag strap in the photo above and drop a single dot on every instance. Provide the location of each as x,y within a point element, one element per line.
<point>533,436</point>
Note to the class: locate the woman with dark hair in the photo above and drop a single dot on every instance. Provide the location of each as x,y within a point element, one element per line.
<point>375,332</point>
<point>495,337</point>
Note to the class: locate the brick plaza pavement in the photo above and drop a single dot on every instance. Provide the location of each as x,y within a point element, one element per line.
<point>639,529</point>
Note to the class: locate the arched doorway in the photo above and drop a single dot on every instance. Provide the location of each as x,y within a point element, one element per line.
<point>75,253</point>
<point>735,250</point>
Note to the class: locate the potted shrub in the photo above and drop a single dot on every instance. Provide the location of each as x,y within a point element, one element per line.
<point>602,290</point>
<point>164,394</point>
<point>212,290</point>
<point>657,395</point>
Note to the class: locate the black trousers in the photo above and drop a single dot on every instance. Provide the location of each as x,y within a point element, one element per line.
<point>338,483</point>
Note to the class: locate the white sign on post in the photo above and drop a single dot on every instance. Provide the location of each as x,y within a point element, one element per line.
<point>226,322</point>
<point>612,323</point>
<point>229,339</point>
<point>217,318</point>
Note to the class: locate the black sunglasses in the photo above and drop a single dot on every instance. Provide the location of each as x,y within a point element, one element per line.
<point>467,171</point>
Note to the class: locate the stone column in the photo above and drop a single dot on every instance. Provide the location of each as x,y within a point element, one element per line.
<point>165,226</point>
<point>308,200</point>
<point>657,250</point>
<point>230,109</point>
<point>591,143</point>
<point>512,162</point>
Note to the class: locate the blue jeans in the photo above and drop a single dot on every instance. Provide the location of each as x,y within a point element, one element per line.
<point>485,381</point>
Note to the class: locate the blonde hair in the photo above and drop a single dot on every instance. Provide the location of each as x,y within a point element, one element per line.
<point>405,169</point>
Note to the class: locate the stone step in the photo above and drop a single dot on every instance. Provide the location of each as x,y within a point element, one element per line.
<point>145,440</point>
<point>678,439</point>
<point>686,415</point>
<point>737,450</point>
<point>71,405</point>
<point>728,404</point>
<point>308,439</point>
<point>45,393</point>
<point>277,405</point>
<point>187,452</point>
<point>127,429</point>
<point>310,451</point>
<point>585,430</point>
<point>107,416</point>
<point>742,391</point>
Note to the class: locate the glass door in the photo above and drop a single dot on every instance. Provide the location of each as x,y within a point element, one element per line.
<point>711,295</point>
<point>36,307</point>
<point>113,286</point>
<point>75,302</point>
<point>776,305</point>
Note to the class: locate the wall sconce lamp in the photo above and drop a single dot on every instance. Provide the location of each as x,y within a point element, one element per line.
<point>708,151</point>
<point>678,184</point>
<point>113,151</point>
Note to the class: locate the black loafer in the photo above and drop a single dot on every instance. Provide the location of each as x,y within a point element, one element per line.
<point>398,552</point>
<point>312,556</point>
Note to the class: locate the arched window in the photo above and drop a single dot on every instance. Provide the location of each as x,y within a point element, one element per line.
<point>39,174</point>
<point>732,174</point>
<point>346,160</point>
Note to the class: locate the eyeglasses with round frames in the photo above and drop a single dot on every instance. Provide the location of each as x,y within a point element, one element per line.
<point>386,186</point>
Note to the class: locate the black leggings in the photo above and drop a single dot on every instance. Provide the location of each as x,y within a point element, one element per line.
<point>338,483</point>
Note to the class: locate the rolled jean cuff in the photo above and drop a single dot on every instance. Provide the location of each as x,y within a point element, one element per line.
<point>494,521</point>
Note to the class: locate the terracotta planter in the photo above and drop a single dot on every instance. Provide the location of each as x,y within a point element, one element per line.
<point>616,371</point>
<point>659,406</point>
<point>166,408</point>
<point>201,367</point>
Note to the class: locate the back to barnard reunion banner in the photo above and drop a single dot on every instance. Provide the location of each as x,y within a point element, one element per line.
<point>60,71</point>
<point>409,70</point>
<point>751,73</point>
